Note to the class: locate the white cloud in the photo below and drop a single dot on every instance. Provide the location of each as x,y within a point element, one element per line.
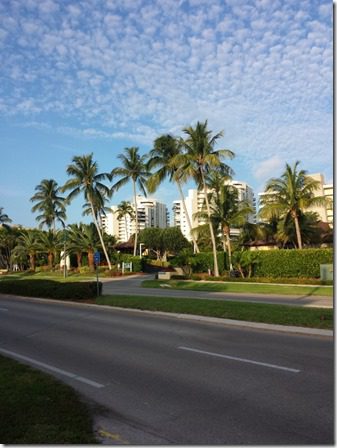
<point>269,168</point>
<point>261,69</point>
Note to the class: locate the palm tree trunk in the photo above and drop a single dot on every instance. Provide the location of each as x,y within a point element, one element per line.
<point>215,258</point>
<point>50,260</point>
<point>298,231</point>
<point>32,262</point>
<point>229,246</point>
<point>99,234</point>
<point>79,259</point>
<point>91,260</point>
<point>136,215</point>
<point>195,245</point>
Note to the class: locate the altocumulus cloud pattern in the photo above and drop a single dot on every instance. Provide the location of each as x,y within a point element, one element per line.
<point>261,69</point>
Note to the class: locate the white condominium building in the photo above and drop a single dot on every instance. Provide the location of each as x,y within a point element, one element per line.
<point>324,211</point>
<point>194,202</point>
<point>151,213</point>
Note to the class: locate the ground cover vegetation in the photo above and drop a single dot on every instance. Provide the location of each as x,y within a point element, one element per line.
<point>285,221</point>
<point>37,409</point>
<point>241,287</point>
<point>254,312</point>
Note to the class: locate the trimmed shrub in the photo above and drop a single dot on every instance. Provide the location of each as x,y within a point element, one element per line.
<point>291,262</point>
<point>51,289</point>
<point>203,261</point>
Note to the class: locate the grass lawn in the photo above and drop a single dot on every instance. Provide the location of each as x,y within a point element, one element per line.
<point>254,312</point>
<point>37,409</point>
<point>57,275</point>
<point>242,287</point>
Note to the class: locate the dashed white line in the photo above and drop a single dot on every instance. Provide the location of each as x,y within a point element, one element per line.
<point>234,358</point>
<point>3,309</point>
<point>51,368</point>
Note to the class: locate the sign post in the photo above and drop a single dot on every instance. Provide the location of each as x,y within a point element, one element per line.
<point>97,259</point>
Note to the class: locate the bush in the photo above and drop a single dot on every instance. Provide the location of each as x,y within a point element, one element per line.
<point>203,261</point>
<point>137,262</point>
<point>84,270</point>
<point>51,289</point>
<point>291,262</point>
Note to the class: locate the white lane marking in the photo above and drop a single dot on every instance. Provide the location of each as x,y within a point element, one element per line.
<point>3,309</point>
<point>233,358</point>
<point>52,368</point>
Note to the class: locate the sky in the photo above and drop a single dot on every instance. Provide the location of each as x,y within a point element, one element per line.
<point>96,76</point>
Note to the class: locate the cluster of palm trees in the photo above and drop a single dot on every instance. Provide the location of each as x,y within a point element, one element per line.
<point>48,247</point>
<point>178,159</point>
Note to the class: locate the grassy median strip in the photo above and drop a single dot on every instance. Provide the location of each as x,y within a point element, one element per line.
<point>37,409</point>
<point>242,287</point>
<point>254,312</point>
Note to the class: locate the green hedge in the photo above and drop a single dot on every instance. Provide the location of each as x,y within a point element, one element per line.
<point>51,289</point>
<point>204,260</point>
<point>291,262</point>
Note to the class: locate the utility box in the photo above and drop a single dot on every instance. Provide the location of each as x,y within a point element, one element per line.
<point>326,272</point>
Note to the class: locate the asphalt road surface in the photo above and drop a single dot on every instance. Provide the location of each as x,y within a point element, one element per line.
<point>132,285</point>
<point>159,380</point>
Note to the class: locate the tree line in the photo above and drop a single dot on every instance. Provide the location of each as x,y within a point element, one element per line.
<point>179,159</point>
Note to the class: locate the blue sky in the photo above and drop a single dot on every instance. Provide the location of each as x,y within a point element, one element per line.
<point>96,76</point>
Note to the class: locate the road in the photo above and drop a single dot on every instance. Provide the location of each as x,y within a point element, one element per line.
<point>132,285</point>
<point>159,380</point>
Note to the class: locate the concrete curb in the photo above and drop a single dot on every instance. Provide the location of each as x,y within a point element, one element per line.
<point>193,317</point>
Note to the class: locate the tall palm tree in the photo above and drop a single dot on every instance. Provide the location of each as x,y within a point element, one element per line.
<point>4,218</point>
<point>99,208</point>
<point>86,179</point>
<point>226,210</point>
<point>124,210</point>
<point>133,168</point>
<point>200,159</point>
<point>288,196</point>
<point>164,154</point>
<point>49,204</point>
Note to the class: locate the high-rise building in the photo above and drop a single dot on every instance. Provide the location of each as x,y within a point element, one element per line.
<point>194,202</point>
<point>150,212</point>
<point>324,211</point>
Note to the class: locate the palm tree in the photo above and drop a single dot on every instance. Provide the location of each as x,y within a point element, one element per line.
<point>4,218</point>
<point>49,242</point>
<point>73,236</point>
<point>27,246</point>
<point>124,210</point>
<point>86,179</point>
<point>164,156</point>
<point>288,196</point>
<point>226,210</point>
<point>49,203</point>
<point>84,238</point>
<point>200,159</point>
<point>100,210</point>
<point>133,167</point>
